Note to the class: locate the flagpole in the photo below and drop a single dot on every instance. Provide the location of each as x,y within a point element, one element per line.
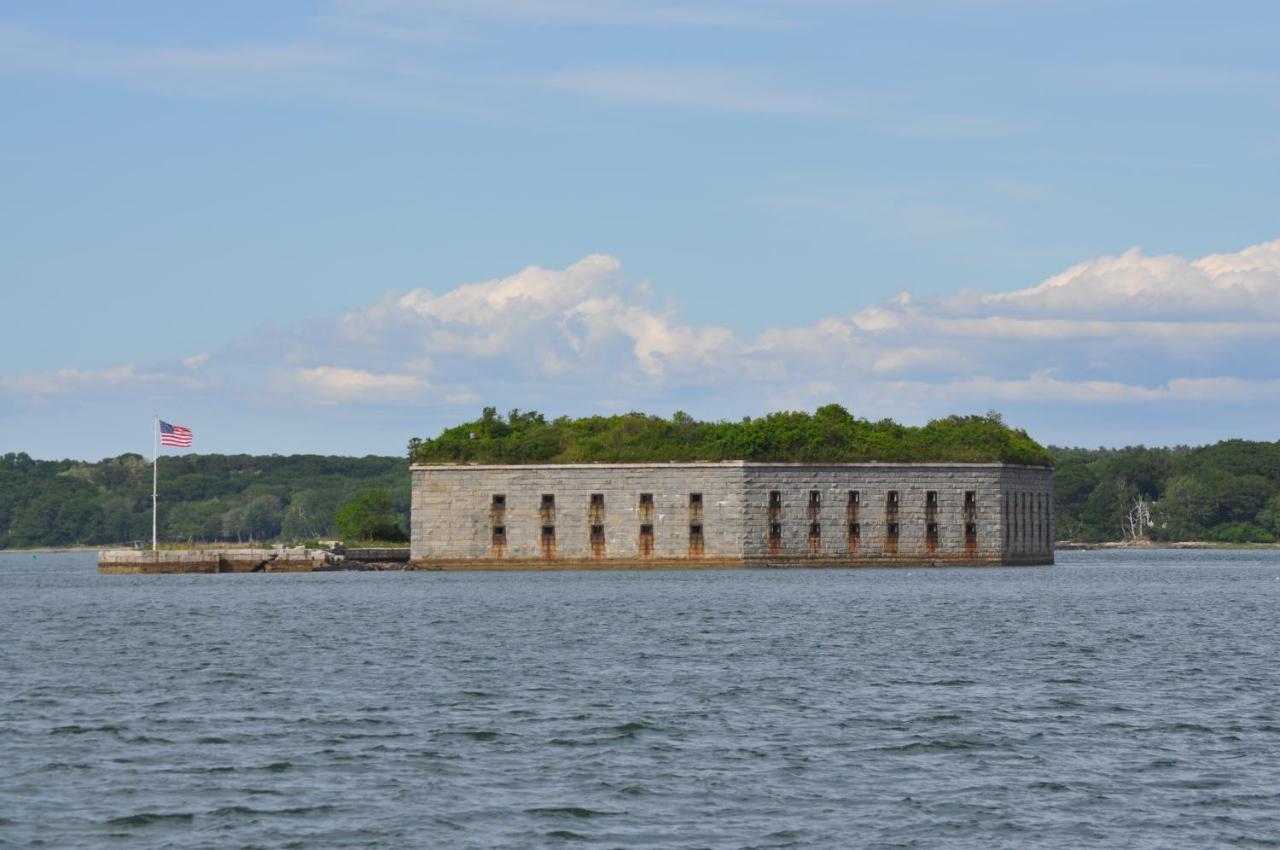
<point>155,474</point>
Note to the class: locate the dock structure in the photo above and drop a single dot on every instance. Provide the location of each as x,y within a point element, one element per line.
<point>249,560</point>
<point>729,514</point>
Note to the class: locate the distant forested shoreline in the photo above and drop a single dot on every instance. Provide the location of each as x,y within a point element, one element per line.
<point>203,498</point>
<point>1227,493</point>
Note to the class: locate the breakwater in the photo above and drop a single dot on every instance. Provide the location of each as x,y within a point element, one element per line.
<point>279,559</point>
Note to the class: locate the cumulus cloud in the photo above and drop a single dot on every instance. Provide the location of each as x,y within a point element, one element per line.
<point>1125,328</point>
<point>1112,331</point>
<point>1244,285</point>
<point>587,319</point>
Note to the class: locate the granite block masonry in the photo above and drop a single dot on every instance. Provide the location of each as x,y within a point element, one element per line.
<point>729,514</point>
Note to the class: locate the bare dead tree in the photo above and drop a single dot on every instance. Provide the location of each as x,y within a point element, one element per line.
<point>1136,522</point>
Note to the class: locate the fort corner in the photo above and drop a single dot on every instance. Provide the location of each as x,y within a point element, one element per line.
<point>729,514</point>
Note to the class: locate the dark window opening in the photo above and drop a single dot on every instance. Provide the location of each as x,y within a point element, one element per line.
<point>970,499</point>
<point>855,498</point>
<point>775,538</point>
<point>646,500</point>
<point>695,500</point>
<point>775,499</point>
<point>855,534</point>
<point>597,541</point>
<point>646,540</point>
<point>931,537</point>
<point>931,499</point>
<point>815,497</point>
<point>499,501</point>
<point>971,532</point>
<point>891,498</point>
<point>548,500</point>
<point>695,539</point>
<point>815,529</point>
<point>499,535</point>
<point>892,531</point>
<point>548,541</point>
<point>597,500</point>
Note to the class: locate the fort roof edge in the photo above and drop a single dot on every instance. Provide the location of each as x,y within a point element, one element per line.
<point>735,464</point>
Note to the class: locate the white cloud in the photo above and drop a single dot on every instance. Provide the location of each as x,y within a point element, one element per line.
<point>1136,287</point>
<point>60,382</point>
<point>584,319</point>
<point>332,384</point>
<point>1122,328</point>
<point>588,337</point>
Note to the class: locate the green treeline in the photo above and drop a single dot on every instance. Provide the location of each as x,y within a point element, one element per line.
<point>203,498</point>
<point>1228,492</point>
<point>830,434</point>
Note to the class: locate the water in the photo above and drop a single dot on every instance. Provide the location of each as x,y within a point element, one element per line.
<point>1117,699</point>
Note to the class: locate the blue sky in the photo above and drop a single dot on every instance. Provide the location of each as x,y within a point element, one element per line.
<point>330,226</point>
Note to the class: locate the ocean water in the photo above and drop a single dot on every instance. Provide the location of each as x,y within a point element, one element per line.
<point>1114,700</point>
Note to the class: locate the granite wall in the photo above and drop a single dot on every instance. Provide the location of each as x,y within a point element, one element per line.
<point>729,514</point>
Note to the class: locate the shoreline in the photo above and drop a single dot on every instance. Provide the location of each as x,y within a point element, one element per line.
<point>1080,546</point>
<point>1060,546</point>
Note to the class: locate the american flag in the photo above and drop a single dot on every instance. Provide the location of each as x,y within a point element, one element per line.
<point>175,435</point>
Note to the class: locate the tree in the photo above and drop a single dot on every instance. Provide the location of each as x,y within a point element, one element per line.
<point>369,515</point>
<point>1137,520</point>
<point>1269,516</point>
<point>1185,510</point>
<point>1240,497</point>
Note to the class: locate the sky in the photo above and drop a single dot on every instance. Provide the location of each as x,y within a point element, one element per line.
<point>333,226</point>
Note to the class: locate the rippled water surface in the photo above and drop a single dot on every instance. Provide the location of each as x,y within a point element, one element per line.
<point>1113,700</point>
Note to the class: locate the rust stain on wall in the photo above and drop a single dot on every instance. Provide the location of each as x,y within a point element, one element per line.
<point>549,541</point>
<point>696,542</point>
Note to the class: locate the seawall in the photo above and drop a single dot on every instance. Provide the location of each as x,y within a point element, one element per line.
<point>248,560</point>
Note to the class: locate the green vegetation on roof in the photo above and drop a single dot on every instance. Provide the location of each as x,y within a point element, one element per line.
<point>829,435</point>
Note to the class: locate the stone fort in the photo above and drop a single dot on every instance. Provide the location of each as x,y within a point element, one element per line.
<point>730,514</point>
